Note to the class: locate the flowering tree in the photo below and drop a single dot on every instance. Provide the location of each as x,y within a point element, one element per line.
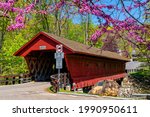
<point>126,18</point>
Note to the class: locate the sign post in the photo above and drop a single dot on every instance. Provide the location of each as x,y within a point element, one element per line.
<point>59,55</point>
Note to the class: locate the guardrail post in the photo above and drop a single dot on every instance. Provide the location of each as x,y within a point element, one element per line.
<point>19,79</point>
<point>6,81</point>
<point>65,78</point>
<point>13,80</point>
<point>25,78</point>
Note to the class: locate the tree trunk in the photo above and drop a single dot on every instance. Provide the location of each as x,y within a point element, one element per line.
<point>86,29</point>
<point>2,33</point>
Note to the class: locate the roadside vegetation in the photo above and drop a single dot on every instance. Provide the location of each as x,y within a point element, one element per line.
<point>142,80</point>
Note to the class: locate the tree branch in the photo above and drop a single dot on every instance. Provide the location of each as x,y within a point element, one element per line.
<point>130,14</point>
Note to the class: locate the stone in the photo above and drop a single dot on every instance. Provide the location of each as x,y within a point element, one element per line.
<point>96,90</point>
<point>68,88</point>
<point>109,88</point>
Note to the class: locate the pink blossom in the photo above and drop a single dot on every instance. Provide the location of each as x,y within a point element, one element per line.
<point>15,26</point>
<point>42,12</point>
<point>29,8</point>
<point>11,2</point>
<point>133,29</point>
<point>95,36</point>
<point>19,19</point>
<point>76,1</point>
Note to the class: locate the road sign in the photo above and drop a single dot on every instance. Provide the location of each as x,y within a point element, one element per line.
<point>59,63</point>
<point>59,55</point>
<point>59,48</point>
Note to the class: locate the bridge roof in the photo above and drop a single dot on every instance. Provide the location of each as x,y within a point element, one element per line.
<point>70,46</point>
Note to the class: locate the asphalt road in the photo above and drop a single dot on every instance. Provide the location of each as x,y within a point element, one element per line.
<point>38,91</point>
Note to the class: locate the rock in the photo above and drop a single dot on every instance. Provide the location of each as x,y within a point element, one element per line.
<point>68,88</point>
<point>109,88</point>
<point>128,87</point>
<point>96,90</point>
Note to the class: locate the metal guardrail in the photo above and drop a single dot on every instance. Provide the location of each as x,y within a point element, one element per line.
<point>15,79</point>
<point>144,96</point>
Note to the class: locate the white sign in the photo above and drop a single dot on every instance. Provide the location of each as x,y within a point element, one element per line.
<point>43,47</point>
<point>59,55</point>
<point>59,63</point>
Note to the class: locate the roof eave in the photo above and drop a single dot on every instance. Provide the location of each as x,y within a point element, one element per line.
<point>88,54</point>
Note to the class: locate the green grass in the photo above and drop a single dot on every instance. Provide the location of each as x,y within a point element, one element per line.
<point>141,75</point>
<point>77,92</point>
<point>50,89</point>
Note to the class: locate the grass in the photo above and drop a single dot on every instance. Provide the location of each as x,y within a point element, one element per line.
<point>77,92</point>
<point>50,89</point>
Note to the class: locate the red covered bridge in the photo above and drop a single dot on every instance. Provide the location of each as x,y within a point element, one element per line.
<point>85,65</point>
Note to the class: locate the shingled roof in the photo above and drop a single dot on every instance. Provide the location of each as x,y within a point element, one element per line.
<point>80,48</point>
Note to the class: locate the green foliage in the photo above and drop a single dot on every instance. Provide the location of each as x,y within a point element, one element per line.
<point>75,33</point>
<point>142,78</point>
<point>11,64</point>
<point>142,74</point>
<point>57,23</point>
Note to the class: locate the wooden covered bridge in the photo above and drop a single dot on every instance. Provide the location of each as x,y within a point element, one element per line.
<point>85,65</point>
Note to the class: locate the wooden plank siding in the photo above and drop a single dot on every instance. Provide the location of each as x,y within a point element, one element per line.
<point>86,70</point>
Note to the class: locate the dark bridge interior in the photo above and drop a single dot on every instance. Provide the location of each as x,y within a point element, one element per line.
<point>41,64</point>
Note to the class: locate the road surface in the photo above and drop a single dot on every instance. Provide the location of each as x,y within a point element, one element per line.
<point>38,91</point>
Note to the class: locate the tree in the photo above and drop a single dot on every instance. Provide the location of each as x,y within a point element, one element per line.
<point>119,14</point>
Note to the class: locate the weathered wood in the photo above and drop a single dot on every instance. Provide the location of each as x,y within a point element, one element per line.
<point>15,79</point>
<point>6,81</point>
<point>55,82</point>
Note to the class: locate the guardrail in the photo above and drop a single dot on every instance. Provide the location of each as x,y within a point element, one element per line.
<point>15,79</point>
<point>59,83</point>
<point>143,96</point>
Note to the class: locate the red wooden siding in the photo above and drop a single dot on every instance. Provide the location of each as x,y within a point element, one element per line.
<point>86,71</point>
<point>41,40</point>
<point>85,65</point>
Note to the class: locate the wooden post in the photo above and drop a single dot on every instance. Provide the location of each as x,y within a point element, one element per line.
<point>13,80</point>
<point>65,77</point>
<point>6,81</point>
<point>19,79</point>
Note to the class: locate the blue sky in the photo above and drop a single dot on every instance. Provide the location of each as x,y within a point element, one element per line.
<point>135,12</point>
